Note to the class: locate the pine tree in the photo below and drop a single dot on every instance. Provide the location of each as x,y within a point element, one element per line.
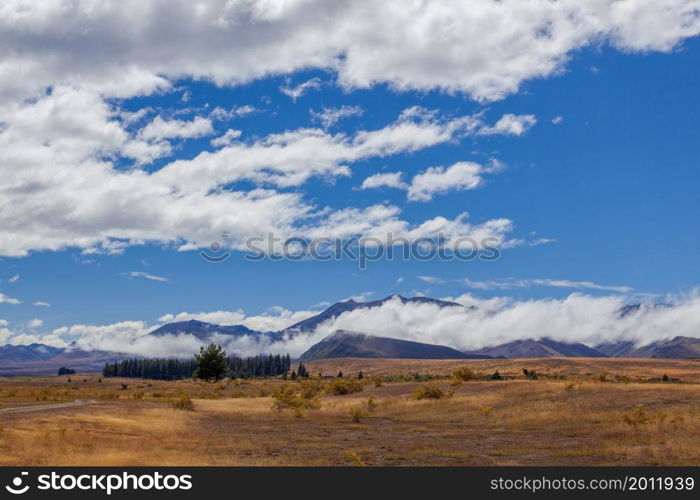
<point>360,375</point>
<point>211,363</point>
<point>340,374</point>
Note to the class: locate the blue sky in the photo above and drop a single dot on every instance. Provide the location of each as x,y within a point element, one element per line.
<point>600,188</point>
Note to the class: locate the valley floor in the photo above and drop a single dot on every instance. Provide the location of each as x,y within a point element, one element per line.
<point>577,412</point>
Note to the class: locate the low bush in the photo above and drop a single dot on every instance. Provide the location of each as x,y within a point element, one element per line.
<point>183,402</point>
<point>429,391</point>
<point>466,374</point>
<point>358,413</point>
<point>286,398</point>
<point>342,386</point>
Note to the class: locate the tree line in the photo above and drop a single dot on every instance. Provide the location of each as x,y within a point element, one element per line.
<point>169,369</point>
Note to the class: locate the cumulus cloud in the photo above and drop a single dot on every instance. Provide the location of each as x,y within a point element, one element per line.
<point>13,279</point>
<point>61,189</point>
<point>35,323</point>
<point>424,186</point>
<point>460,176</point>
<point>392,179</point>
<point>9,300</point>
<point>176,129</point>
<point>484,49</point>
<point>227,139</point>
<point>510,124</point>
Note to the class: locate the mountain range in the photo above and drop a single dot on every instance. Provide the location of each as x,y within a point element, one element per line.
<point>39,358</point>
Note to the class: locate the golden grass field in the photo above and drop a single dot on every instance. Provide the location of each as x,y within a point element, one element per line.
<point>578,412</point>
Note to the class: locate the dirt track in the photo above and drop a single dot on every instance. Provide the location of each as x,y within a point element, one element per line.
<point>47,407</point>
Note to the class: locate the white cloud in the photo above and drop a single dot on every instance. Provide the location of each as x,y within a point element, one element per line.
<point>524,283</point>
<point>276,318</point>
<point>140,274</point>
<point>433,280</point>
<point>330,116</point>
<point>485,49</point>
<point>41,303</point>
<point>557,120</point>
<point>301,89</point>
<point>35,323</point>
<point>510,124</point>
<point>13,279</point>
<point>392,179</point>
<point>60,188</point>
<point>435,180</point>
<point>3,322</point>
<point>9,300</point>
<point>460,176</point>
<point>219,113</point>
<point>576,318</point>
<point>227,139</point>
<point>176,129</point>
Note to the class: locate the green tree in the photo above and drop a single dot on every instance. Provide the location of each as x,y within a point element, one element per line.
<point>212,363</point>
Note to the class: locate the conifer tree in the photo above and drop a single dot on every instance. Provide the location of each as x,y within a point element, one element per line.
<point>211,363</point>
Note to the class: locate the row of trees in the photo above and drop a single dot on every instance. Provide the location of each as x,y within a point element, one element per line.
<point>211,363</point>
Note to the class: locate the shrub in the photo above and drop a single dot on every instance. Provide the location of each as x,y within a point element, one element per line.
<point>466,374</point>
<point>341,386</point>
<point>486,410</point>
<point>637,417</point>
<point>357,413</point>
<point>530,374</point>
<point>370,404</point>
<point>310,389</point>
<point>496,376</point>
<point>429,391</point>
<point>139,394</point>
<point>65,371</point>
<point>286,398</point>
<point>183,402</point>
<point>377,381</point>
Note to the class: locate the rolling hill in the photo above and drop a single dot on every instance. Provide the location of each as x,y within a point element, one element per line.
<point>539,348</point>
<point>348,344</point>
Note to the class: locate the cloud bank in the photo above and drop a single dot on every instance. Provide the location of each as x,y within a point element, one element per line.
<point>477,323</point>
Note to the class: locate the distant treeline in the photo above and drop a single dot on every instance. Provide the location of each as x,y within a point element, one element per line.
<point>169,369</point>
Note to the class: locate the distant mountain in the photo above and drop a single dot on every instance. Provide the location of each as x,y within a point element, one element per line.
<point>44,359</point>
<point>31,352</point>
<point>675,348</point>
<point>347,344</point>
<point>310,324</point>
<point>539,348</point>
<point>201,330</point>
